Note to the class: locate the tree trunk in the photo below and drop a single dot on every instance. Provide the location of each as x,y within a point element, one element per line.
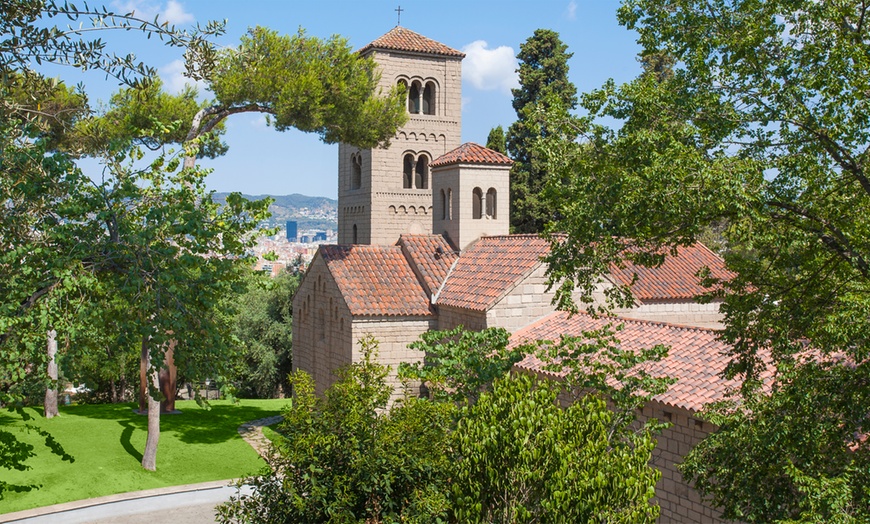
<point>168,379</point>
<point>51,392</point>
<point>149,456</point>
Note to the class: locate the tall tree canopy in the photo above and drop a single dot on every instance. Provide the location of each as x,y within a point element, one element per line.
<point>543,84</point>
<point>763,127</point>
<point>145,233</point>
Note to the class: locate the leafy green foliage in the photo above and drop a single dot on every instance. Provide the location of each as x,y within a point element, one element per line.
<point>460,364</point>
<point>800,459</point>
<point>348,459</point>
<point>523,458</point>
<point>759,132</point>
<point>263,327</point>
<point>544,85</point>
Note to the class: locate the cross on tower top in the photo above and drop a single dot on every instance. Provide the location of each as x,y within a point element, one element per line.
<point>399,10</point>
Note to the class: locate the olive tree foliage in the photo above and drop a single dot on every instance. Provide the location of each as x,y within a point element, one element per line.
<point>762,128</point>
<point>347,458</point>
<point>521,458</point>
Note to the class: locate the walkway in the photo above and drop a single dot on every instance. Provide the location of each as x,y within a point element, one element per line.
<point>190,504</point>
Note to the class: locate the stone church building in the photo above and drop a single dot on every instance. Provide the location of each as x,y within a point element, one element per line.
<point>424,244</point>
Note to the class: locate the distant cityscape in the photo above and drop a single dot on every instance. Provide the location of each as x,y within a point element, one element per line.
<point>302,222</point>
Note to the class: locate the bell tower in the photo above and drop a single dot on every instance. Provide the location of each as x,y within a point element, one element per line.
<point>386,192</point>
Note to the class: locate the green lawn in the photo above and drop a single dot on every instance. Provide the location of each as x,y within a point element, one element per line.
<point>107,440</point>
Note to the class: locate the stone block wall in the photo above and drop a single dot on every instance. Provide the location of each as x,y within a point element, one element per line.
<point>393,336</point>
<point>686,312</point>
<point>679,501</point>
<point>322,336</point>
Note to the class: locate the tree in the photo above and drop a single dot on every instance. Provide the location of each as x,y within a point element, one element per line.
<point>349,459</point>
<point>263,327</point>
<point>303,82</point>
<point>496,140</point>
<point>543,85</point>
<point>460,364</point>
<point>523,458</point>
<point>761,128</point>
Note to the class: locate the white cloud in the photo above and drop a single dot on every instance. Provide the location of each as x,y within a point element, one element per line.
<point>173,12</point>
<point>490,69</point>
<point>174,80</point>
<point>571,12</point>
<point>259,122</point>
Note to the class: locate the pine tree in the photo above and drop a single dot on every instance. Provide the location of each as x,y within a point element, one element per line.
<point>543,85</point>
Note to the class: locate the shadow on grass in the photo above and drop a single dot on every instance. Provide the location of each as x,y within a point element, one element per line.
<point>127,443</point>
<point>194,425</point>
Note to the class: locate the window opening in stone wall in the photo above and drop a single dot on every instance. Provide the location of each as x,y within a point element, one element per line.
<point>355,239</point>
<point>408,171</point>
<point>321,324</point>
<point>421,172</point>
<point>476,203</point>
<point>449,204</point>
<point>429,99</point>
<point>414,98</point>
<point>356,171</point>
<point>443,205</point>
<point>491,203</point>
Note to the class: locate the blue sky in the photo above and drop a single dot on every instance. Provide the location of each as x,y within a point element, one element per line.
<point>264,161</point>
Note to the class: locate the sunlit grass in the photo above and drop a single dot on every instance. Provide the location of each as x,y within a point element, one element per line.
<point>106,441</point>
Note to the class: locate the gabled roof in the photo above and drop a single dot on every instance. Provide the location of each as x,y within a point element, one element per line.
<point>471,153</point>
<point>431,255</point>
<point>696,358</point>
<point>401,39</point>
<point>490,268</point>
<point>675,278</point>
<point>376,280</point>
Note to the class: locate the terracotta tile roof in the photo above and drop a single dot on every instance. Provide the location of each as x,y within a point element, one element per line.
<point>376,280</point>
<point>696,357</point>
<point>432,257</point>
<point>471,153</point>
<point>675,278</point>
<point>490,268</point>
<point>401,39</point>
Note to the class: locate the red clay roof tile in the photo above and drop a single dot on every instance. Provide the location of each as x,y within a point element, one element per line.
<point>376,280</point>
<point>471,153</point>
<point>490,268</point>
<point>696,357</point>
<point>401,39</point>
<point>432,257</point>
<point>676,277</point>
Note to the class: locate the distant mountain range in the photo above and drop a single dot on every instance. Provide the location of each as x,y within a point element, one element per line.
<point>317,213</point>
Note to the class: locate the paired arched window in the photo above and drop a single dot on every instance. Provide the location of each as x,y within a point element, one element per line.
<point>421,97</point>
<point>415,171</point>
<point>481,207</point>
<point>355,171</point>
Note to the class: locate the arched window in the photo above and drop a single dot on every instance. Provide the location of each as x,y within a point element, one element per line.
<point>476,203</point>
<point>491,203</point>
<point>408,171</point>
<point>414,98</point>
<point>449,204</point>
<point>356,171</point>
<point>421,172</point>
<point>443,205</point>
<point>429,99</point>
<point>355,238</point>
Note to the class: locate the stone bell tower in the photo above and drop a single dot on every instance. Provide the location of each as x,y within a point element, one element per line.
<point>383,193</point>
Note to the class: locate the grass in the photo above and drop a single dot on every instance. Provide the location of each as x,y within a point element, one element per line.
<point>107,440</point>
